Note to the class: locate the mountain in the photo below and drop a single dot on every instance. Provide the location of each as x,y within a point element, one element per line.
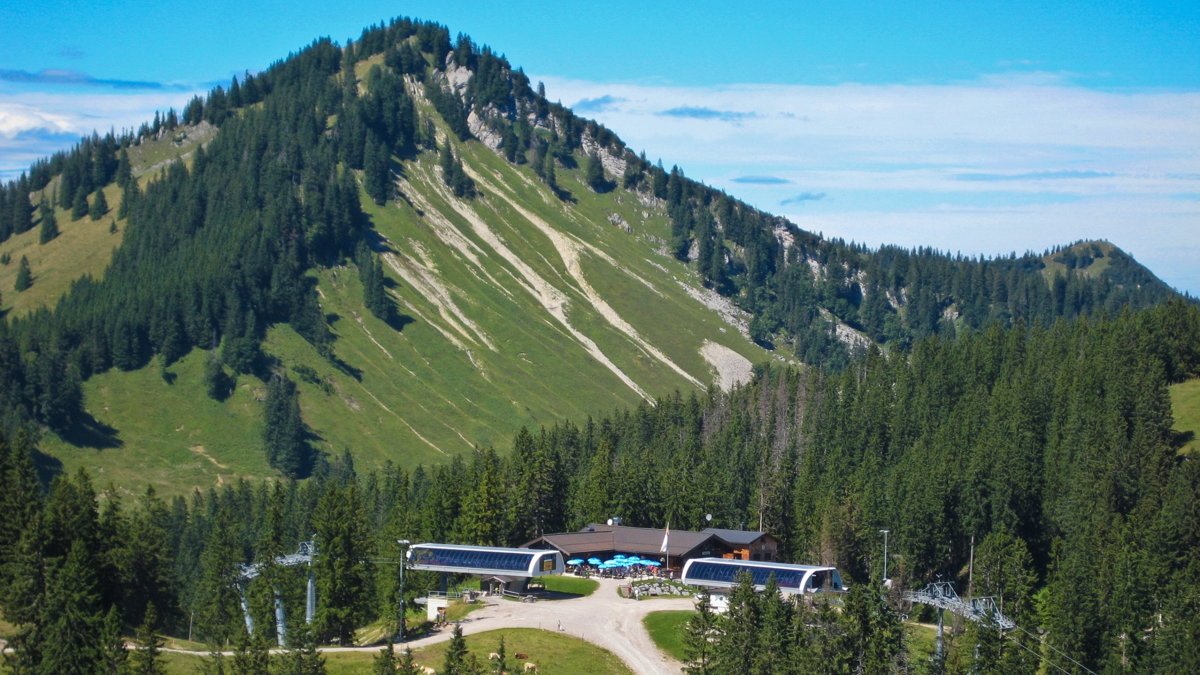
<point>401,249</point>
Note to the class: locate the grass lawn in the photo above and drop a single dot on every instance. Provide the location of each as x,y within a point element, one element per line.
<point>553,652</point>
<point>1185,406</point>
<point>571,585</point>
<point>184,663</point>
<point>921,641</point>
<point>666,629</point>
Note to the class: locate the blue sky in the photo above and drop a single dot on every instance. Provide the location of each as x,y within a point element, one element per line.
<point>966,126</point>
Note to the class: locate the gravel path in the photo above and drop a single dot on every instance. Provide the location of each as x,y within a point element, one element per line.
<point>602,618</point>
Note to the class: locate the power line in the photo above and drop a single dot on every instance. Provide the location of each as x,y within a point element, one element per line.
<point>1055,649</point>
<point>1040,657</point>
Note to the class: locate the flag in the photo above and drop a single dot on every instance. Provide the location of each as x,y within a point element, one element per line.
<point>666,536</point>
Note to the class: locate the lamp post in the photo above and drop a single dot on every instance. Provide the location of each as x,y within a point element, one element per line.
<point>403,556</point>
<point>885,534</point>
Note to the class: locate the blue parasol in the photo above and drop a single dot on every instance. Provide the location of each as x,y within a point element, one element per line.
<point>594,561</point>
<point>651,563</point>
<point>575,561</point>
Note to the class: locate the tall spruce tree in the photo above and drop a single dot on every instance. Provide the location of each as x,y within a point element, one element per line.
<point>24,275</point>
<point>147,658</point>
<point>344,575</point>
<point>251,654</point>
<point>303,658</point>
<point>49,227</point>
<point>593,173</point>
<point>99,205</point>
<point>700,639</point>
<point>79,207</point>
<point>739,628</point>
<point>455,661</point>
<point>72,626</point>
<point>283,430</point>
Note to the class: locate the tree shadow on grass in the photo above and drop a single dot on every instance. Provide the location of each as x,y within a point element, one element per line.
<point>89,432</point>
<point>1180,439</point>
<point>47,467</point>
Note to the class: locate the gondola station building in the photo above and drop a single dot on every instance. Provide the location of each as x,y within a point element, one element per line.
<point>670,546</point>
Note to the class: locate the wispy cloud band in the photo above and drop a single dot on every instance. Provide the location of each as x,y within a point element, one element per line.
<point>57,76</point>
<point>956,166</point>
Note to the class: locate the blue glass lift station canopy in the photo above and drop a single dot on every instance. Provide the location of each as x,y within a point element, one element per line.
<point>484,560</point>
<point>792,579</point>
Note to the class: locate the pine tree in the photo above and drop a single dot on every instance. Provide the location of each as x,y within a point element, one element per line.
<point>593,173</point>
<point>124,174</point>
<point>49,228</point>
<point>699,639</point>
<point>455,662</point>
<point>548,172</point>
<point>22,212</point>
<point>408,664</point>
<point>147,658</point>
<point>873,627</point>
<point>72,633</point>
<point>774,640</point>
<point>218,617</point>
<point>481,521</point>
<point>377,177</point>
<point>739,628</point>
<point>79,207</point>
<point>216,382</point>
<point>370,273</point>
<point>251,656</point>
<point>24,275</point>
<point>500,663</point>
<point>114,656</point>
<point>283,430</point>
<point>303,658</point>
<point>99,205</point>
<point>384,662</point>
<point>342,570</point>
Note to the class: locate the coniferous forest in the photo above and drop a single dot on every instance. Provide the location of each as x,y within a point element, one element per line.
<point>994,405</point>
<point>1051,448</point>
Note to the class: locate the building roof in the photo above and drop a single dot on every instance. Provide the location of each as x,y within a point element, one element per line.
<point>721,573</point>
<point>622,539</point>
<point>736,537</point>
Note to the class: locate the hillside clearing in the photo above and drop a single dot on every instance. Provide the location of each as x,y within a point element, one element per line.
<point>1185,407</point>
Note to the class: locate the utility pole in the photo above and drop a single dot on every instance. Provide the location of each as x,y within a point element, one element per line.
<point>885,534</point>
<point>403,555</point>
<point>971,570</point>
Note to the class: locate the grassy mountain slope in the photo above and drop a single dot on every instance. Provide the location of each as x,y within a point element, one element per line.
<point>518,309</point>
<point>85,246</point>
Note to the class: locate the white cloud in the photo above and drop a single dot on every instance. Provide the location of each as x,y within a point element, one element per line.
<point>35,123</point>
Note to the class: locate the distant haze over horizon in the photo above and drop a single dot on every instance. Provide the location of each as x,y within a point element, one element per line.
<point>974,129</point>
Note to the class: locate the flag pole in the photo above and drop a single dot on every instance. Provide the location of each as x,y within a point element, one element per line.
<point>666,548</point>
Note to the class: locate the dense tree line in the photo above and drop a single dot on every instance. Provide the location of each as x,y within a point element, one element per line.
<point>1050,448</point>
<point>765,633</point>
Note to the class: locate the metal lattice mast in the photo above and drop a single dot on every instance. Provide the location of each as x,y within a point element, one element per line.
<point>941,594</point>
<point>252,571</point>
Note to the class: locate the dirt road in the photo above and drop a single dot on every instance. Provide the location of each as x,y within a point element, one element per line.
<point>602,618</point>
